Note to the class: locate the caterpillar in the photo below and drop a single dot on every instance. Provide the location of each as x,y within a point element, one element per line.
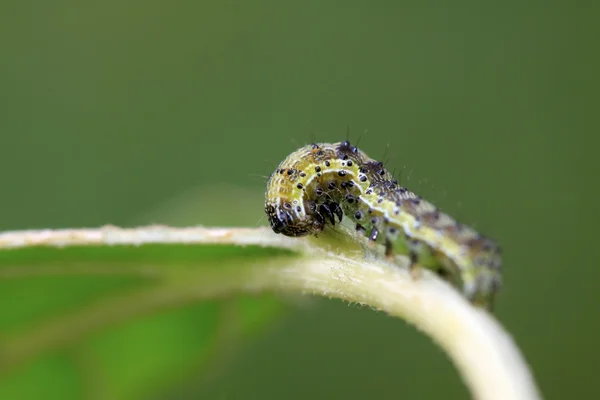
<point>320,182</point>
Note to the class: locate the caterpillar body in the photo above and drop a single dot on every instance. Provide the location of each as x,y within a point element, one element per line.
<point>320,182</point>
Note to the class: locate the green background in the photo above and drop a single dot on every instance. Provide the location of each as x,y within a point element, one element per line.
<point>134,112</point>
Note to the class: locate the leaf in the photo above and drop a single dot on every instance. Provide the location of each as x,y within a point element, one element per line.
<point>177,269</point>
<point>120,321</point>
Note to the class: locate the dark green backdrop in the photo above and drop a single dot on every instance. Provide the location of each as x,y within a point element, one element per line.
<point>134,112</point>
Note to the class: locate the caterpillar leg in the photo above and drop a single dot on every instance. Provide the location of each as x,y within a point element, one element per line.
<point>325,210</point>
<point>337,210</point>
<point>330,210</point>
<point>414,268</point>
<point>389,249</point>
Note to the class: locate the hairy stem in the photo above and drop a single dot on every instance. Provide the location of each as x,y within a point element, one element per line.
<point>483,352</point>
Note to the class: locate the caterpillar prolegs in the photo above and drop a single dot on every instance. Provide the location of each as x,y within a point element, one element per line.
<point>320,182</point>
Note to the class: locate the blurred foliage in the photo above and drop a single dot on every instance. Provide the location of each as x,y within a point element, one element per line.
<point>101,310</point>
<point>137,112</point>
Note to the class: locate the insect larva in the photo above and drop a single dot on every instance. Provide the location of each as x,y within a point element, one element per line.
<point>320,182</point>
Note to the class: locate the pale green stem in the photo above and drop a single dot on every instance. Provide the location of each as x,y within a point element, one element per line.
<point>485,354</point>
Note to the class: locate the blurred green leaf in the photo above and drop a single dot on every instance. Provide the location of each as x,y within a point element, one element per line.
<point>123,321</point>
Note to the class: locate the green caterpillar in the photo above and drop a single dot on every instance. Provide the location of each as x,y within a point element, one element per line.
<point>319,182</point>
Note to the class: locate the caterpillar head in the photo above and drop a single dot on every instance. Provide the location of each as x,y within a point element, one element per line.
<point>294,222</point>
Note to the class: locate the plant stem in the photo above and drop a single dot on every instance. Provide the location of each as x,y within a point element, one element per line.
<point>485,355</point>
